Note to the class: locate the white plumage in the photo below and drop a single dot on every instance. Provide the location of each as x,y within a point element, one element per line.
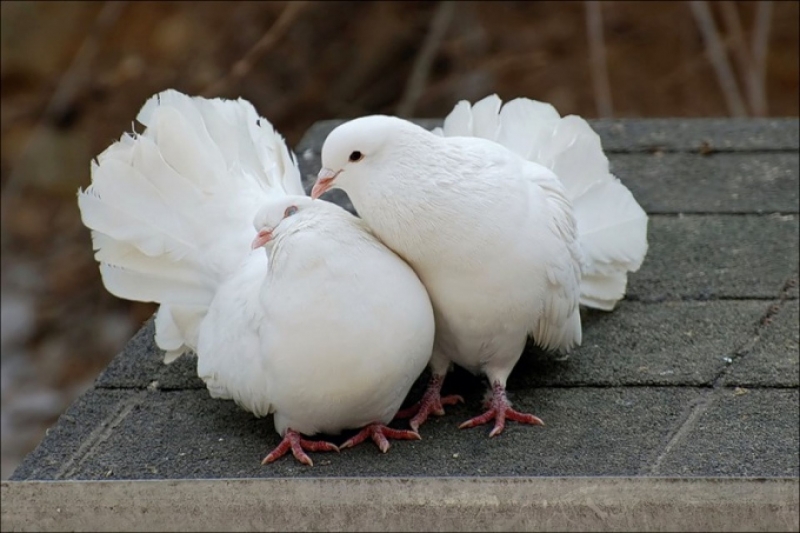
<point>327,330</point>
<point>509,216</point>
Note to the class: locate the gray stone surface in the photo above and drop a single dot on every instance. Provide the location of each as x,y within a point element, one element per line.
<point>140,365</point>
<point>703,257</point>
<point>696,135</point>
<point>712,444</point>
<point>133,434</point>
<point>404,504</point>
<point>691,183</point>
<point>685,378</point>
<point>675,343</point>
<point>775,359</point>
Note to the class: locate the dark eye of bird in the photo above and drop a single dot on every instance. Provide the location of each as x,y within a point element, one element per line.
<point>291,210</point>
<point>356,156</point>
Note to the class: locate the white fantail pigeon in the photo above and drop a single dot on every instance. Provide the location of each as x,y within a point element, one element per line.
<point>292,306</point>
<point>511,219</point>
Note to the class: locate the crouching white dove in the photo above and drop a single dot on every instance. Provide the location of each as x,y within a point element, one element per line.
<point>319,323</point>
<point>509,216</point>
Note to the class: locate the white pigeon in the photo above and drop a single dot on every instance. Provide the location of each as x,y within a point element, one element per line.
<point>319,323</point>
<point>509,216</point>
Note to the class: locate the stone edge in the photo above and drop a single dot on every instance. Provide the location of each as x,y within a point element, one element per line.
<point>427,504</point>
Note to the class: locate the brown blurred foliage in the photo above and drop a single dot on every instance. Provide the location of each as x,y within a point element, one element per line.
<point>74,75</point>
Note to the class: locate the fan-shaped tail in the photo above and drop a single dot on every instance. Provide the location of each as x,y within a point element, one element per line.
<point>171,209</point>
<point>612,226</point>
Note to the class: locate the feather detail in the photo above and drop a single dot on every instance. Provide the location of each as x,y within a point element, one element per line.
<point>171,209</point>
<point>611,225</point>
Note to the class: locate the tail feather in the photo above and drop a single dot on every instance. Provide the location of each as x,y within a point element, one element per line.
<point>526,125</point>
<point>125,205</point>
<point>148,287</point>
<point>171,209</point>
<point>612,226</point>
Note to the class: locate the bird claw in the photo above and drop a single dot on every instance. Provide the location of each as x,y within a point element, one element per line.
<point>294,442</point>
<point>500,411</point>
<point>431,403</point>
<point>380,435</point>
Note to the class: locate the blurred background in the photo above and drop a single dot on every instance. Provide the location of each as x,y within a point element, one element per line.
<point>74,75</point>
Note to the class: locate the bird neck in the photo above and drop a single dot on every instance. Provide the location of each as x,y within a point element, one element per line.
<point>416,205</point>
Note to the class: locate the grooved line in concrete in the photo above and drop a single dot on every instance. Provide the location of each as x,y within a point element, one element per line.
<point>99,435</point>
<point>704,402</point>
<point>763,322</point>
<point>700,406</point>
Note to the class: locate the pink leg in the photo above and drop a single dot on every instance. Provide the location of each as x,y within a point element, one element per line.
<point>379,434</point>
<point>432,402</point>
<point>292,440</point>
<point>499,411</point>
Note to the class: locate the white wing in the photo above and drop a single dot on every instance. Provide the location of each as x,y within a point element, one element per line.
<point>611,226</point>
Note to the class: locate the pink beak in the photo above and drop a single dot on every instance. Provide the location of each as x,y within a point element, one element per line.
<point>263,237</point>
<point>324,182</point>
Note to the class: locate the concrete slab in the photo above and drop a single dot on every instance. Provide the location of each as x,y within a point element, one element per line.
<point>738,182</point>
<point>722,256</point>
<point>674,343</point>
<point>775,359</point>
<point>710,444</point>
<point>405,504</point>
<point>133,434</point>
<point>699,134</point>
<point>140,365</point>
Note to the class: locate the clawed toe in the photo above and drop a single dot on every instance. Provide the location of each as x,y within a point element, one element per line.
<point>380,435</point>
<point>294,442</point>
<point>499,410</point>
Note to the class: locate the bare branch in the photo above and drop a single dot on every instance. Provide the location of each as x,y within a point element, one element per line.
<point>268,41</point>
<point>68,85</point>
<point>597,59</point>
<point>424,60</point>
<point>742,54</point>
<point>717,57</point>
<point>760,49</point>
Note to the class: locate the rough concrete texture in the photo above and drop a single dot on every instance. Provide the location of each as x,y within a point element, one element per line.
<point>404,504</point>
<point>186,434</point>
<point>694,374</point>
<point>690,183</point>
<point>702,257</point>
<point>775,358</point>
<point>710,445</point>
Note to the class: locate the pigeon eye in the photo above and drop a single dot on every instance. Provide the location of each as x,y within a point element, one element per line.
<point>356,156</point>
<point>291,210</point>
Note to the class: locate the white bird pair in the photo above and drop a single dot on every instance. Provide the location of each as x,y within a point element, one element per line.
<point>508,217</point>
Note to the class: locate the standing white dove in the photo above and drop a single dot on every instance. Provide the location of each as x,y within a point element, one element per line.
<point>509,216</point>
<point>327,328</point>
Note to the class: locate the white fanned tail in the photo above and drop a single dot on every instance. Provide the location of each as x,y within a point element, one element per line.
<point>612,226</point>
<point>171,209</point>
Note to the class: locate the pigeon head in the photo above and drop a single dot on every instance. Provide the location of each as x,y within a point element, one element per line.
<point>277,216</point>
<point>356,150</point>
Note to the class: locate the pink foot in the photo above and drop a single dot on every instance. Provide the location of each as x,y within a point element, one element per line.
<point>292,440</point>
<point>379,434</point>
<point>499,411</point>
<point>432,402</point>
